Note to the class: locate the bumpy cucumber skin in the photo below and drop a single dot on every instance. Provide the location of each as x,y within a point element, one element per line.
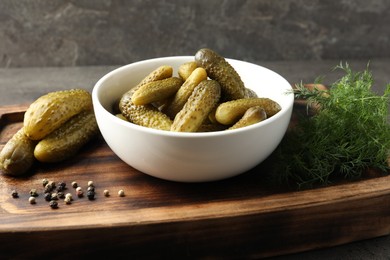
<point>160,73</point>
<point>66,141</point>
<point>220,70</point>
<point>202,100</point>
<point>252,116</point>
<point>157,90</point>
<point>17,156</point>
<point>50,111</point>
<point>249,93</point>
<point>186,69</point>
<point>230,112</point>
<point>185,91</point>
<point>147,116</point>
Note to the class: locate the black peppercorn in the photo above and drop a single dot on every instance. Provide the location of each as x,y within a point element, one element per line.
<point>14,194</point>
<point>47,196</point>
<point>91,195</point>
<point>61,186</point>
<point>91,188</point>
<point>53,204</point>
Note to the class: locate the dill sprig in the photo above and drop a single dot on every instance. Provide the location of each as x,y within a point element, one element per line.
<point>348,134</point>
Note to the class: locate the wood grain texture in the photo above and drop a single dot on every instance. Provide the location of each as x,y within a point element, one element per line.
<point>233,218</point>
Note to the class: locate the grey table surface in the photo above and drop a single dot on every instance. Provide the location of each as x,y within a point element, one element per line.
<point>24,85</point>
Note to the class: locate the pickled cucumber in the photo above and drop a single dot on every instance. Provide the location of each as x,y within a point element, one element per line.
<point>143,115</point>
<point>146,115</point>
<point>220,70</point>
<point>252,116</point>
<point>161,72</point>
<point>65,141</point>
<point>17,156</point>
<point>157,90</point>
<point>230,112</point>
<point>185,91</point>
<point>186,69</point>
<point>202,100</point>
<point>50,111</point>
<point>249,93</point>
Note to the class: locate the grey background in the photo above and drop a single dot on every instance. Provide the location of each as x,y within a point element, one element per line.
<point>38,33</point>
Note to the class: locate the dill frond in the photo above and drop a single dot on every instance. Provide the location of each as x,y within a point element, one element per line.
<point>348,134</point>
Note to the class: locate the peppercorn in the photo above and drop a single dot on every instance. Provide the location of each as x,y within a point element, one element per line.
<point>60,195</point>
<point>53,204</point>
<point>47,196</point>
<point>62,184</point>
<point>44,182</point>
<point>14,194</point>
<point>68,200</point>
<point>91,188</point>
<point>54,196</point>
<point>91,195</point>
<point>33,193</point>
<point>121,193</point>
<point>52,184</point>
<point>106,193</point>
<point>32,200</point>
<point>90,183</point>
<point>74,184</point>
<point>69,196</point>
<point>79,192</point>
<point>49,186</point>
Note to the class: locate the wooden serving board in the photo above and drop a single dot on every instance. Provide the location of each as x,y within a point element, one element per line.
<point>233,218</point>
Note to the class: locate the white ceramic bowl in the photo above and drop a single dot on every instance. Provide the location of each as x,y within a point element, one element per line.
<point>191,157</point>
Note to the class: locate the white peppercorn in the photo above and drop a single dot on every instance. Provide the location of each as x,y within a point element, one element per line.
<point>68,200</point>
<point>121,193</point>
<point>69,196</point>
<point>32,200</point>
<point>45,182</point>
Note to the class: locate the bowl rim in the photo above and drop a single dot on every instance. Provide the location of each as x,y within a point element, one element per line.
<point>98,104</point>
